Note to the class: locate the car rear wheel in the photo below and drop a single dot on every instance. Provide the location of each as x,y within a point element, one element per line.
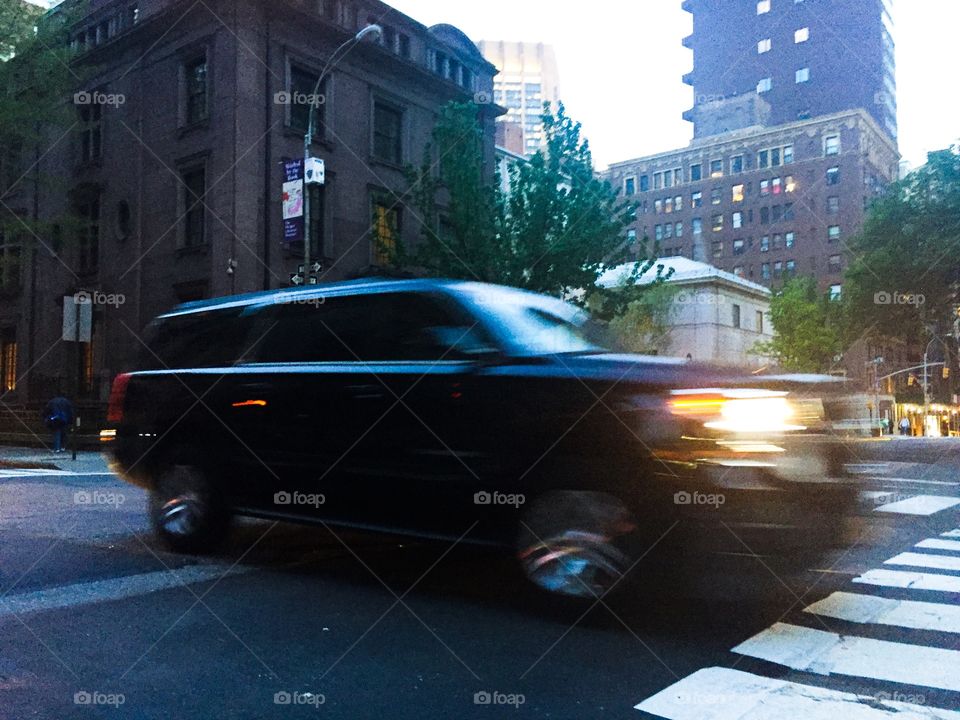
<point>187,511</point>
<point>572,543</point>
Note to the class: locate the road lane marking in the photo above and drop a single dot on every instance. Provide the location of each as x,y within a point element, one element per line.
<point>97,591</point>
<point>920,505</point>
<point>934,562</point>
<point>720,694</point>
<point>913,481</point>
<point>50,473</point>
<point>826,653</point>
<point>910,580</point>
<point>869,609</point>
<point>937,544</point>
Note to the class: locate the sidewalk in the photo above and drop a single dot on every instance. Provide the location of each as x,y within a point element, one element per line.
<point>20,457</point>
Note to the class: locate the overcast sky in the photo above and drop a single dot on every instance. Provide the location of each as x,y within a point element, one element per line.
<point>621,62</point>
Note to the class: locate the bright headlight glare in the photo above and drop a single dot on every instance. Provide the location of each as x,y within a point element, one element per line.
<point>738,411</point>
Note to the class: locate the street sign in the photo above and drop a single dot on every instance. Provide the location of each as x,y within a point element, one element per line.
<point>315,171</point>
<point>77,318</point>
<point>312,280</point>
<point>296,279</point>
<point>315,267</point>
<point>301,268</point>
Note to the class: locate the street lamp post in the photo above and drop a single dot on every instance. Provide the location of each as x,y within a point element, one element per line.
<point>368,31</point>
<point>926,375</point>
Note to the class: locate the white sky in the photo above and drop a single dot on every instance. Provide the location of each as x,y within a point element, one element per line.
<point>621,63</point>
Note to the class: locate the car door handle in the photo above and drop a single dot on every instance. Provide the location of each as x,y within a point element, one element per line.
<point>366,392</point>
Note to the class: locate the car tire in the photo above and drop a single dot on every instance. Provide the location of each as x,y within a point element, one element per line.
<point>575,544</point>
<point>188,511</point>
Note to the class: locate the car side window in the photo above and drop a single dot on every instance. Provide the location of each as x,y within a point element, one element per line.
<point>366,328</point>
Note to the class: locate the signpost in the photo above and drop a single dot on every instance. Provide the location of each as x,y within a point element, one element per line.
<point>293,201</point>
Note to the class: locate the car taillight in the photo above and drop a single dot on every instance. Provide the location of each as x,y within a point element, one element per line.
<point>117,394</point>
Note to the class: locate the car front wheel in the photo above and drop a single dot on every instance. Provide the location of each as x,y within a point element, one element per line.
<point>187,511</point>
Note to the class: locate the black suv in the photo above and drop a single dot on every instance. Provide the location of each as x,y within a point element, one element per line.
<point>464,410</point>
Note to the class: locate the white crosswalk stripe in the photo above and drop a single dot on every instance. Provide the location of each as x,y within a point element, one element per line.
<point>868,609</point>
<point>827,653</point>
<point>910,580</point>
<point>938,544</point>
<point>920,505</point>
<point>952,534</point>
<point>934,562</point>
<point>722,694</point>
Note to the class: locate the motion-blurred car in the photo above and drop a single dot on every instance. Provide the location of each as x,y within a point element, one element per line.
<point>465,411</point>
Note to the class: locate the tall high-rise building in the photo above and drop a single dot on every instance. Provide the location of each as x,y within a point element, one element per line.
<point>528,78</point>
<point>770,62</point>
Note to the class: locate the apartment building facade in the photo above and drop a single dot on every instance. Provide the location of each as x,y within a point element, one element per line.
<point>170,182</point>
<point>766,203</point>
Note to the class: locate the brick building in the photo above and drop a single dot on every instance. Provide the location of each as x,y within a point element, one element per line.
<point>765,203</point>
<point>805,58</point>
<point>173,172</point>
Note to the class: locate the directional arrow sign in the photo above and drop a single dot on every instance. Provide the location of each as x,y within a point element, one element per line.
<point>312,280</point>
<point>296,279</point>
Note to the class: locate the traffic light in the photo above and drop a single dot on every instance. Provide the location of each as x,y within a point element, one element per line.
<point>946,372</point>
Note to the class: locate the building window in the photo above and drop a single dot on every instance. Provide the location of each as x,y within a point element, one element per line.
<point>195,73</point>
<point>658,232</point>
<point>718,248</point>
<point>302,83</point>
<point>697,226</point>
<point>631,237</point>
<point>630,186</point>
<point>764,216</point>
<point>9,266</point>
<point>833,176</point>
<point>777,214</point>
<point>789,185</point>
<point>678,203</point>
<point>736,315</point>
<point>778,269</point>
<point>801,35</point>
<point>91,132</point>
<point>765,85</point>
<point>831,145</point>
<point>834,264</point>
<point>715,196</point>
<point>791,239</point>
<point>716,168</point>
<point>763,7</point>
<point>765,243</point>
<point>788,212</point>
<point>88,234</point>
<point>835,291</point>
<point>765,271</point>
<point>668,231</point>
<point>737,220</point>
<point>386,231</point>
<point>764,188</point>
<point>717,222</point>
<point>696,173</point>
<point>736,164</point>
<point>696,199</point>
<point>787,154</point>
<point>678,229</point>
<point>657,181</point>
<point>760,321</point>
<point>776,186</point>
<point>791,268</point>
<point>738,270</point>
<point>764,46</point>
<point>803,75</point>
<point>763,159</point>
<point>737,193</point>
<point>657,207</point>
<point>668,179</point>
<point>833,205</point>
<point>644,183</point>
<point>833,233</point>
<point>668,205</point>
<point>194,211</point>
<point>738,247</point>
<point>8,361</point>
<point>387,133</point>
<point>678,176</point>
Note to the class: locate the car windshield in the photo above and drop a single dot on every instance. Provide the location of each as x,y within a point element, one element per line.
<point>535,325</point>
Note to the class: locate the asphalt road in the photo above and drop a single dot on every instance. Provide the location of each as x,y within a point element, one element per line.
<point>98,621</point>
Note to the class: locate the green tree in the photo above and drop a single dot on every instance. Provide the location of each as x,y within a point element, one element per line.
<point>35,81</point>
<point>904,273</point>
<point>556,230</point>
<point>808,328</point>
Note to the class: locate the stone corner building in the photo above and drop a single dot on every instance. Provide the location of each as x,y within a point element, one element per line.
<point>173,172</point>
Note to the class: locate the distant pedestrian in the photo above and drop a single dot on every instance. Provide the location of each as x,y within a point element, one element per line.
<point>905,427</point>
<point>58,416</point>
